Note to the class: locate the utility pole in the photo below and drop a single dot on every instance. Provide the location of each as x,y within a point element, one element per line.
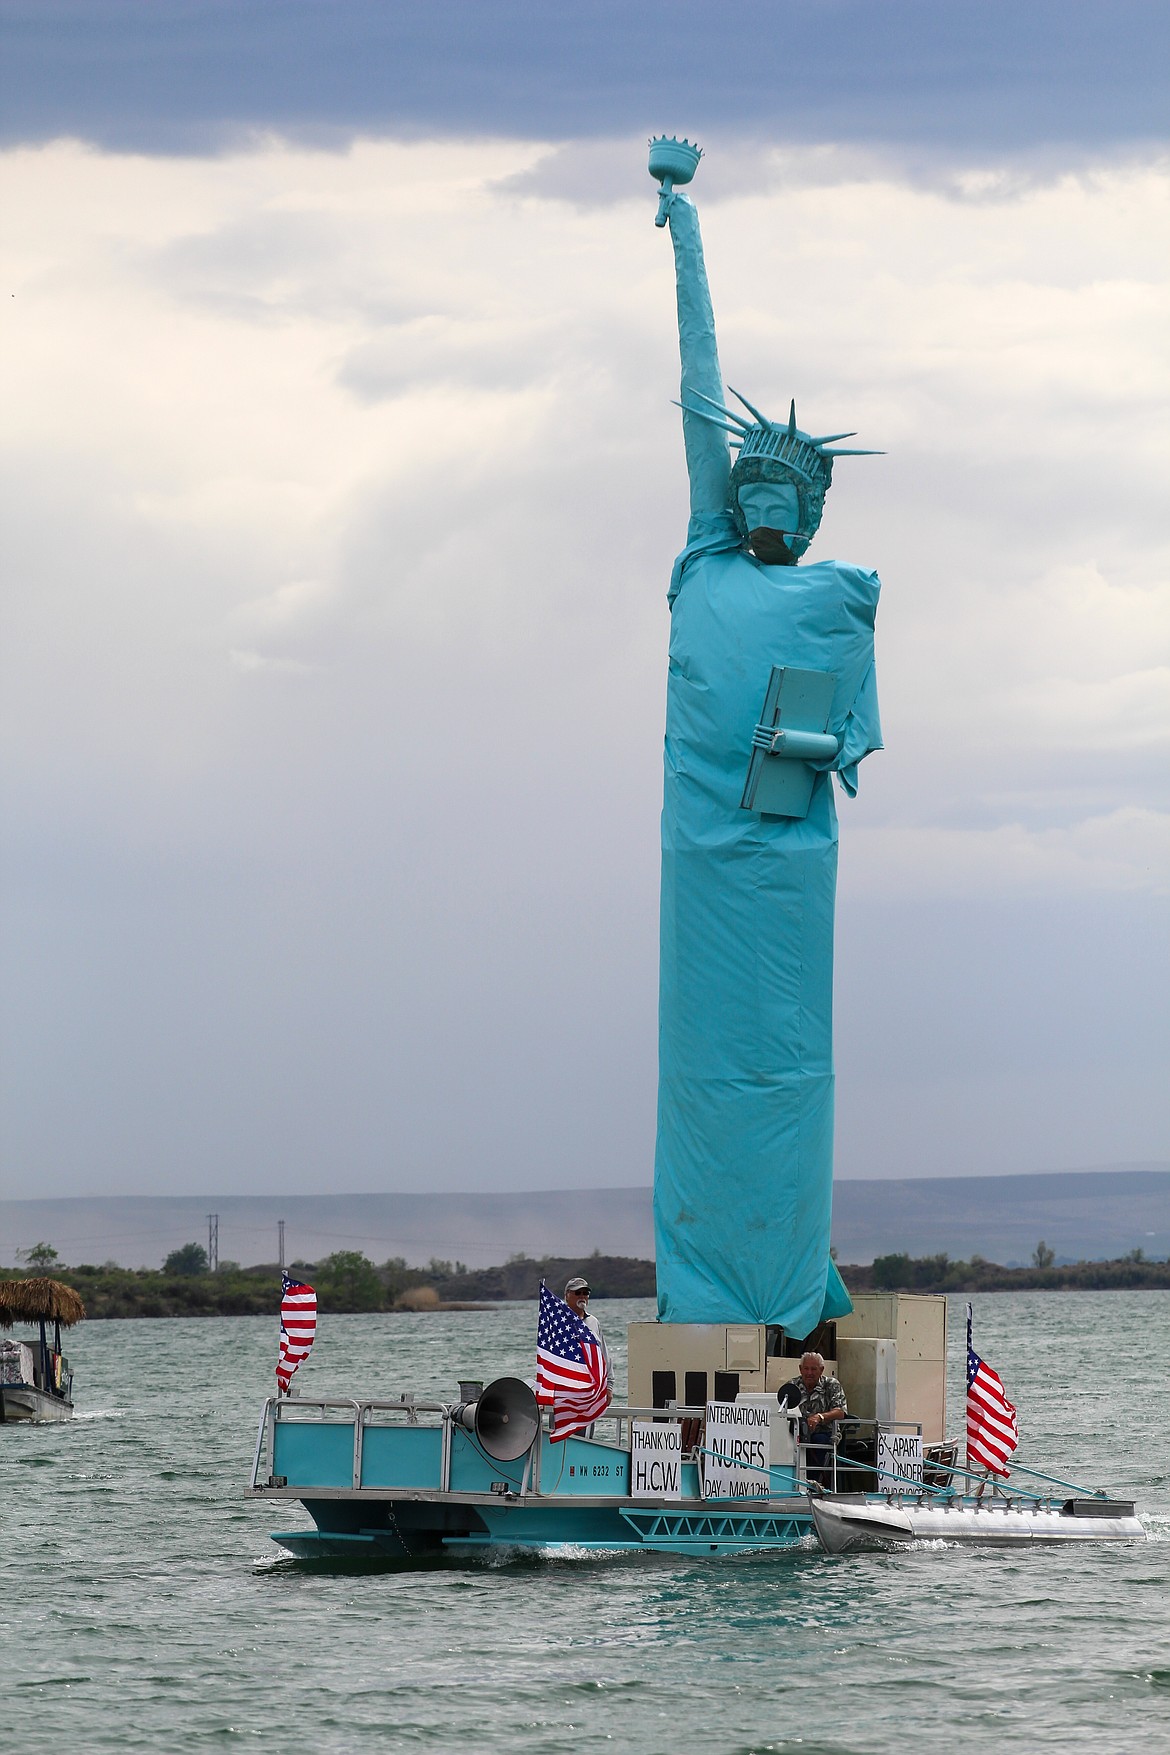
<point>213,1242</point>
<point>280,1240</point>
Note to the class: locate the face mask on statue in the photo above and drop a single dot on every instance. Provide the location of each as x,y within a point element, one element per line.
<point>771,517</point>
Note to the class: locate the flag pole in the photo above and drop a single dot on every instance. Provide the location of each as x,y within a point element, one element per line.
<point>970,1350</point>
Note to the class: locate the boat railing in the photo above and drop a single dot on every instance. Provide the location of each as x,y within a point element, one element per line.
<point>412,1410</point>
<point>809,1468</point>
<point>624,1415</point>
<point>346,1410</point>
<point>895,1484</point>
<point>898,1485</point>
<point>1000,1490</point>
<point>361,1414</point>
<point>813,1469</point>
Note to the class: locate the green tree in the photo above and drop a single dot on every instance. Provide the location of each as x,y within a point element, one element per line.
<point>395,1276</point>
<point>1042,1256</point>
<point>892,1273</point>
<point>348,1280</point>
<point>907,1273</point>
<point>41,1257</point>
<point>932,1270</point>
<point>188,1261</point>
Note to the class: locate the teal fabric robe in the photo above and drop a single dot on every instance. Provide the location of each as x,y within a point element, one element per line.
<point>744,1161</point>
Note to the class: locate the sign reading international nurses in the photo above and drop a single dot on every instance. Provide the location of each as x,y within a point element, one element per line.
<point>656,1459</point>
<point>899,1458</point>
<point>738,1451</point>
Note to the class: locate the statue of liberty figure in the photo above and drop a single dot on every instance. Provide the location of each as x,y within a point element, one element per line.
<point>771,690</point>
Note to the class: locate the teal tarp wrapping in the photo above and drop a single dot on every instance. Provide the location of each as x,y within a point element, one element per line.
<point>744,1164</point>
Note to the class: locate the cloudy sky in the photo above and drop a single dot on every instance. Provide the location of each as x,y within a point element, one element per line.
<point>341,486</point>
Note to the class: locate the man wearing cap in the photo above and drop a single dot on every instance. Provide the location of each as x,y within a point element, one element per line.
<point>577,1298</point>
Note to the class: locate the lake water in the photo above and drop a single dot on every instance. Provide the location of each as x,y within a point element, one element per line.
<point>143,1607</point>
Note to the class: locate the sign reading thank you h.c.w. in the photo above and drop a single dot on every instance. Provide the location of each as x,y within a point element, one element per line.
<point>655,1459</point>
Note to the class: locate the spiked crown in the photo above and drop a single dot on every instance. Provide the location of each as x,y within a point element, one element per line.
<point>777,451</point>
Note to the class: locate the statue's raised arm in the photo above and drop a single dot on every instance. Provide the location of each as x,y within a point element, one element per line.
<point>707,448</point>
<point>775,493</point>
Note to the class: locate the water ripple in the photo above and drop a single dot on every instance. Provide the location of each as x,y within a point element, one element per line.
<point>147,1613</point>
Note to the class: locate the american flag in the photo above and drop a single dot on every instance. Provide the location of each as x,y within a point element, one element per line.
<point>572,1372</point>
<point>298,1325</point>
<point>992,1433</point>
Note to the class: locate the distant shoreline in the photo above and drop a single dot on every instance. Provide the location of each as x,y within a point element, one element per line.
<point>348,1284</point>
<point>1081,1214</point>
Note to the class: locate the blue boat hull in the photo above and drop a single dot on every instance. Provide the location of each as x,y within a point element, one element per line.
<point>411,1491</point>
<point>420,1529</point>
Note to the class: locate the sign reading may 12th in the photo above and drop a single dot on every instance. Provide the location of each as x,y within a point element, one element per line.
<point>738,1446</point>
<point>899,1458</point>
<point>655,1459</point>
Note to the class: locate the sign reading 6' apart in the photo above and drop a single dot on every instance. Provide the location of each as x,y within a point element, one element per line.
<point>899,1459</point>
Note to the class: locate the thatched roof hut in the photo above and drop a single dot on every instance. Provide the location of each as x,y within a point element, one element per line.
<point>39,1300</point>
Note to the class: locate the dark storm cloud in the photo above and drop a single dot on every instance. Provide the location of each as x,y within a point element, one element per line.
<point>192,75</point>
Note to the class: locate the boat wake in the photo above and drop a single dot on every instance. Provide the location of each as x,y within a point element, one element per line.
<point>557,1554</point>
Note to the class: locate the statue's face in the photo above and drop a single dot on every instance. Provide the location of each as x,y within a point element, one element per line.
<point>770,505</point>
<point>771,511</point>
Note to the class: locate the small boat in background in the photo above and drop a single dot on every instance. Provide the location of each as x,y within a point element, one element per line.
<point>36,1382</point>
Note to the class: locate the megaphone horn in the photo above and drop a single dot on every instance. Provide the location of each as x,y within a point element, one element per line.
<point>505,1419</point>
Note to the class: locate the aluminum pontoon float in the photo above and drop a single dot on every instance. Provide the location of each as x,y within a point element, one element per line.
<point>897,1520</point>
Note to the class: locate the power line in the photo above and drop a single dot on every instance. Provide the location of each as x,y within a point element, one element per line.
<point>399,1245</point>
<point>399,1242</point>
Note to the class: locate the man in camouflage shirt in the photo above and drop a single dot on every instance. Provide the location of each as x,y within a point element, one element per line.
<point>821,1401</point>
